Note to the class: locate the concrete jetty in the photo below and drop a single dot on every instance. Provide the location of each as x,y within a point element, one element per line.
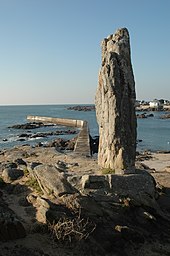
<point>59,121</point>
<point>82,146</point>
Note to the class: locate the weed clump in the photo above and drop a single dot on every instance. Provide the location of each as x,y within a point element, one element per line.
<point>108,171</point>
<point>33,183</point>
<point>71,229</point>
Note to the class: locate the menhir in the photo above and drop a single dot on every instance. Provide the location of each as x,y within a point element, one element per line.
<point>115,104</point>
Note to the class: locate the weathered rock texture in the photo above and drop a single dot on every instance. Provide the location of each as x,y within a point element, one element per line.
<point>115,104</point>
<point>51,180</point>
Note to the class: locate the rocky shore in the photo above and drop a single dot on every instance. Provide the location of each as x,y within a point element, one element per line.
<point>33,126</point>
<point>145,115</point>
<point>148,108</point>
<point>144,108</point>
<point>82,108</point>
<point>54,203</point>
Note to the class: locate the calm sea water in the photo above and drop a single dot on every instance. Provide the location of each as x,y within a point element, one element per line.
<point>154,132</point>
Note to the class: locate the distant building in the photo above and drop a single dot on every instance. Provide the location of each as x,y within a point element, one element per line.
<point>155,104</point>
<point>166,102</point>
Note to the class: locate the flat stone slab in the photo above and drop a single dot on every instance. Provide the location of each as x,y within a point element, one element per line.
<point>138,187</point>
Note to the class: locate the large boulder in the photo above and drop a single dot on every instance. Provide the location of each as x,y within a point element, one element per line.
<point>51,180</point>
<point>11,174</point>
<point>115,104</point>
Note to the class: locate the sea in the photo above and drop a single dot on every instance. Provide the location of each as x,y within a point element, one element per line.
<point>153,133</point>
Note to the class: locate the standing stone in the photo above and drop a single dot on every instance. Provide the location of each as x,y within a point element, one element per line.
<point>115,104</point>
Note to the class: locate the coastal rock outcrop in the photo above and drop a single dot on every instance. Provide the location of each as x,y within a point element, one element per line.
<point>12,170</point>
<point>139,187</point>
<point>82,108</point>
<point>115,104</point>
<point>31,125</point>
<point>116,213</point>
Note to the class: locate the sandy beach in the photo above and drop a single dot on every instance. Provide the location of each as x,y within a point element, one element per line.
<point>159,165</point>
<point>159,161</point>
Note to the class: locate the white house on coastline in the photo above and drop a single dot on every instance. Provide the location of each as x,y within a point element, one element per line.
<point>155,104</point>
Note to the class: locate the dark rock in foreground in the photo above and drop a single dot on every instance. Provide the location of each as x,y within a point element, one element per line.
<point>11,227</point>
<point>46,134</point>
<point>60,144</point>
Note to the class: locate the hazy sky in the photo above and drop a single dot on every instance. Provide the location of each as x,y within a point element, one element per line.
<point>50,49</point>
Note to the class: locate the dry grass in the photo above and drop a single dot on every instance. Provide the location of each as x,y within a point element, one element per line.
<point>71,229</point>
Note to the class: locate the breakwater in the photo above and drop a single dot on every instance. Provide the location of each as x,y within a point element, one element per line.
<point>82,145</point>
<point>59,121</point>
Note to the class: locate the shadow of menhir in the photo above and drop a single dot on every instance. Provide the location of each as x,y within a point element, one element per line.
<point>94,144</point>
<point>11,225</point>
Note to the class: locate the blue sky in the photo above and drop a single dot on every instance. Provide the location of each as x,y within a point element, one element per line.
<point>50,49</point>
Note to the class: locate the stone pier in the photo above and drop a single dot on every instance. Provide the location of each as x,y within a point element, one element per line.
<point>82,146</point>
